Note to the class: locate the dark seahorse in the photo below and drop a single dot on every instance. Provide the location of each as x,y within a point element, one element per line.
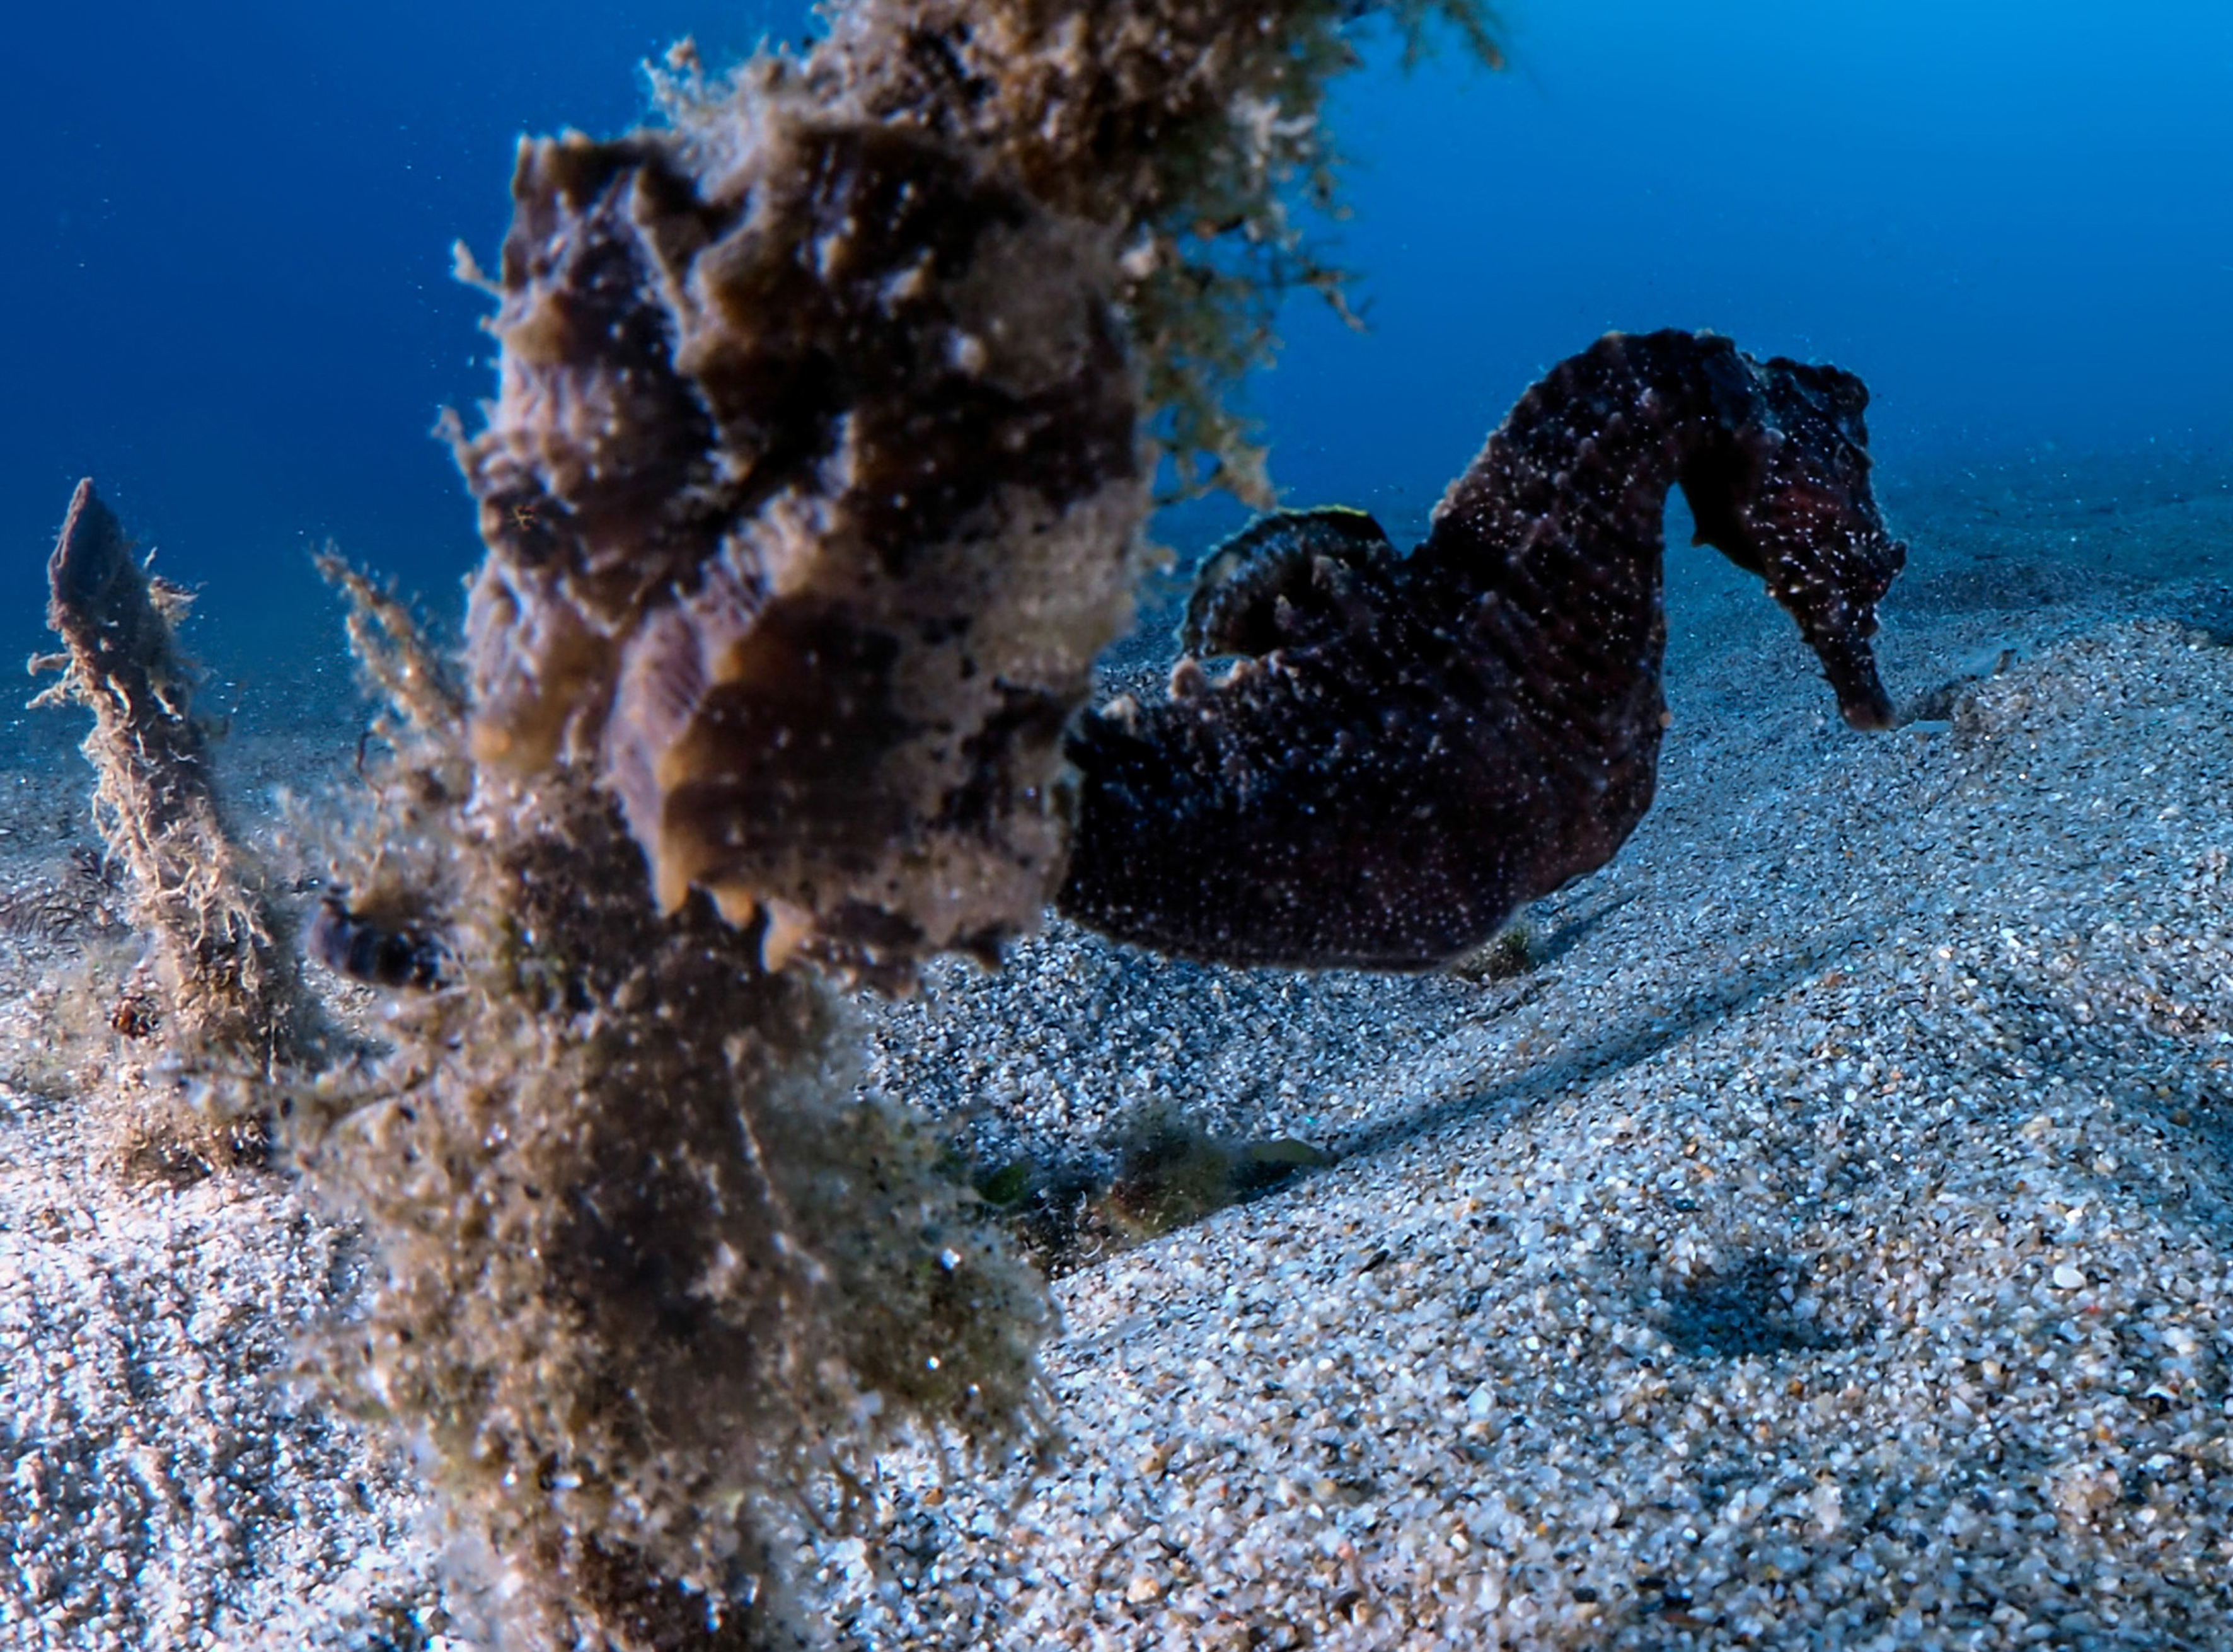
<point>1408,748</point>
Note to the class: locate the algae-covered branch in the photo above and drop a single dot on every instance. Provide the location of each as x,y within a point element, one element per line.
<point>223,975</point>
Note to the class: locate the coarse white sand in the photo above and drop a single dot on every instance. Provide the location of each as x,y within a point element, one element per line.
<point>1830,1244</point>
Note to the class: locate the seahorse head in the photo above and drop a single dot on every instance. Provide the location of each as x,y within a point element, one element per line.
<point>1787,495</point>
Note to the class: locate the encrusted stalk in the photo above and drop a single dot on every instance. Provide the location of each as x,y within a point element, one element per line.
<point>224,981</point>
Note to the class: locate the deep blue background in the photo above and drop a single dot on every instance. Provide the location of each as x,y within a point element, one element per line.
<point>224,286</point>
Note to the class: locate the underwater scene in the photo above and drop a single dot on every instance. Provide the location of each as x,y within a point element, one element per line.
<point>1117,824</point>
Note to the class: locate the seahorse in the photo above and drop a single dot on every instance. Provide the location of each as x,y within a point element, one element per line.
<point>1408,748</point>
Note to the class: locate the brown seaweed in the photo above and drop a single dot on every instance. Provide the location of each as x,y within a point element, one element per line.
<point>1189,125</point>
<point>1408,748</point>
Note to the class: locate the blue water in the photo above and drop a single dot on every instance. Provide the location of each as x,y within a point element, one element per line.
<point>226,288</point>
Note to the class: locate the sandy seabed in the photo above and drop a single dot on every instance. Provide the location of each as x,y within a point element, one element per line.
<point>1828,1243</point>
